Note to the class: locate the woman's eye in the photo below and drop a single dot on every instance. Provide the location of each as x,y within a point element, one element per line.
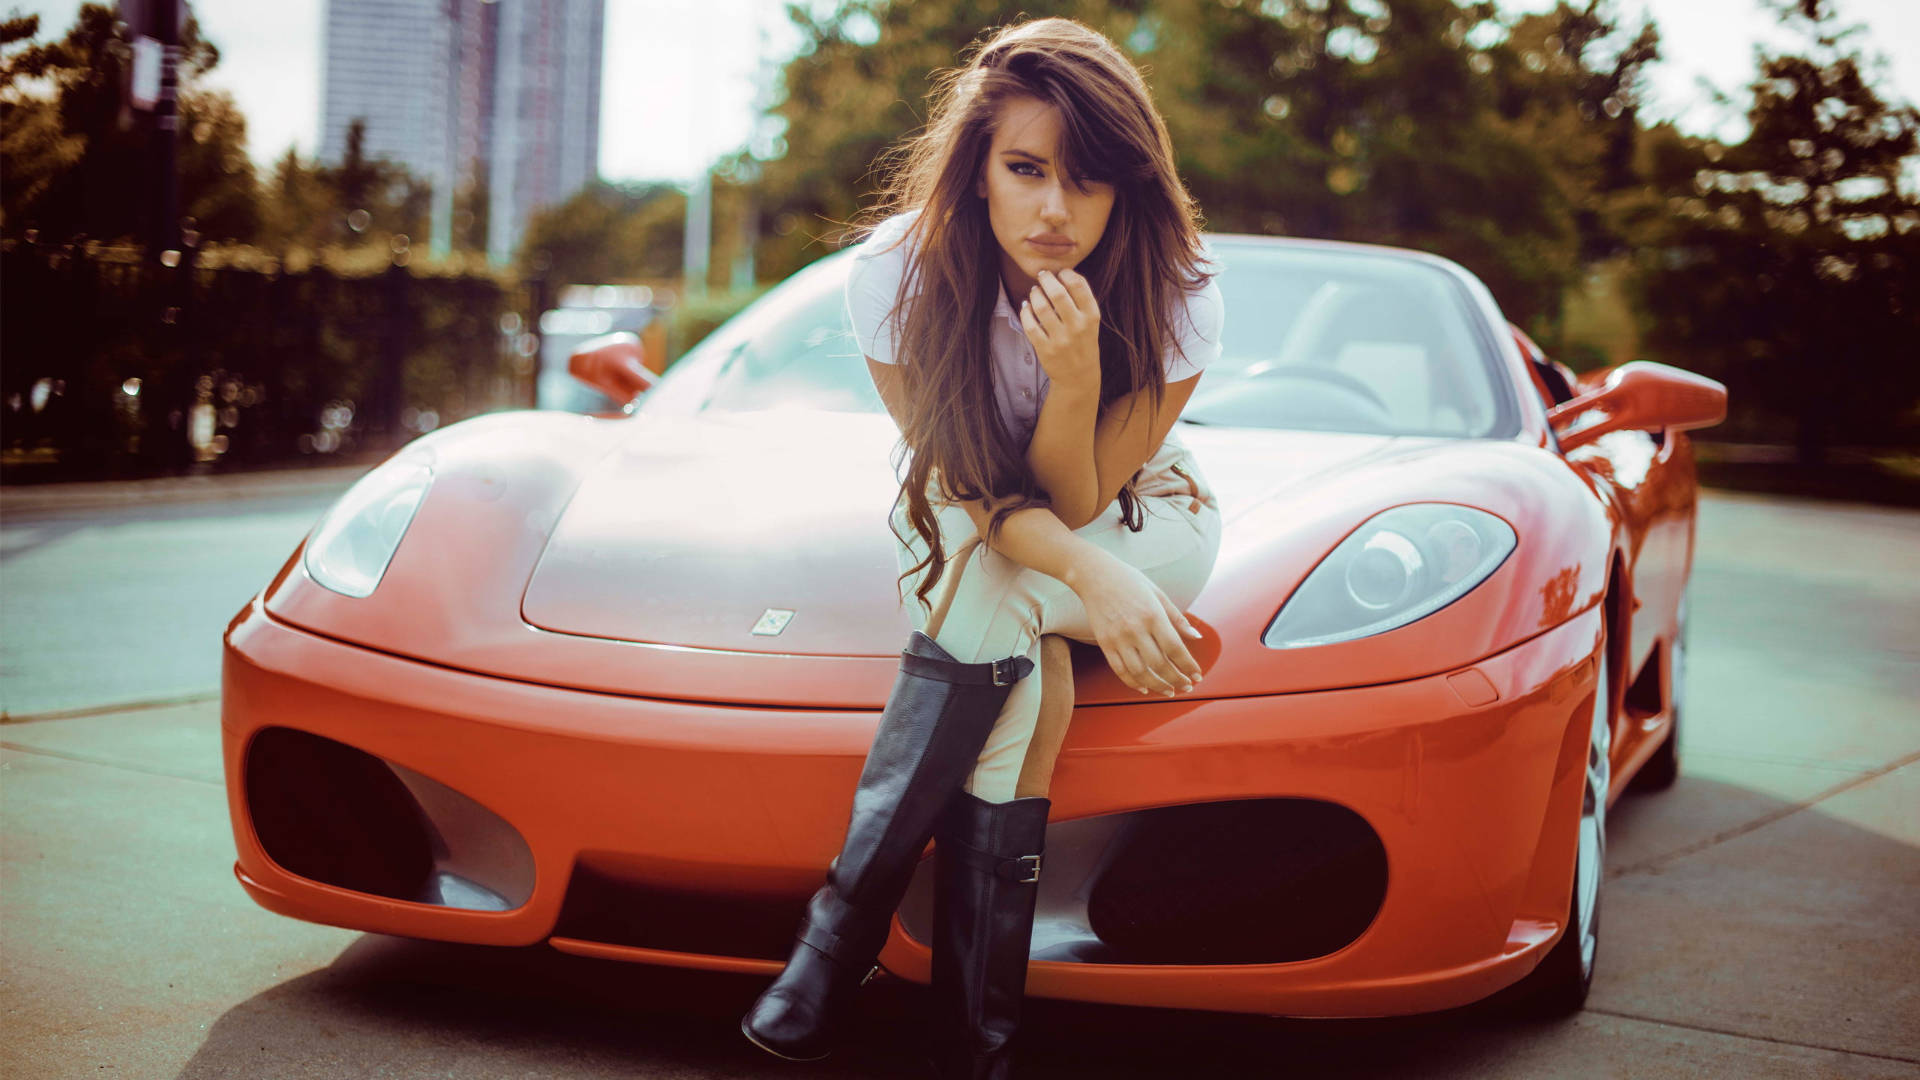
<point>1018,165</point>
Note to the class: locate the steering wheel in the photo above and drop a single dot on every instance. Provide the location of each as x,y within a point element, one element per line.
<point>1337,378</point>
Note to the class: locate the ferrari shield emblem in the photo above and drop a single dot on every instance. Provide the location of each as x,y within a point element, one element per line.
<point>772,621</point>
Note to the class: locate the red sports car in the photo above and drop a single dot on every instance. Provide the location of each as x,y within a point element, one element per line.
<point>607,681</point>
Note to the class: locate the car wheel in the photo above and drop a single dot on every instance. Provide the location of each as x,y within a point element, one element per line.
<point>1559,985</point>
<point>1663,768</point>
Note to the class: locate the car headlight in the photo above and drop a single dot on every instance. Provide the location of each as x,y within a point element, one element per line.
<point>355,541</point>
<point>1399,565</point>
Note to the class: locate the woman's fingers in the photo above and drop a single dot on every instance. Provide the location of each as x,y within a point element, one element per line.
<point>1139,630</point>
<point>1167,671</point>
<point>1185,670</point>
<point>1183,631</point>
<point>1058,298</point>
<point>1149,666</point>
<point>1029,322</point>
<point>1166,685</point>
<point>1119,666</point>
<point>1043,309</point>
<point>1168,664</point>
<point>1129,663</point>
<point>1064,302</point>
<point>1180,621</point>
<point>1081,292</point>
<point>1145,673</point>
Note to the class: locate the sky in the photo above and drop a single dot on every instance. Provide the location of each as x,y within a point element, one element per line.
<point>651,130</point>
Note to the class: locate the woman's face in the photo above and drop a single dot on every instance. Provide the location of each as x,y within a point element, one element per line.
<point>1043,220</point>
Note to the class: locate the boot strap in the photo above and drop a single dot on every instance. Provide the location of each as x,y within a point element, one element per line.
<point>834,946</point>
<point>1019,869</point>
<point>823,941</point>
<point>1002,672</point>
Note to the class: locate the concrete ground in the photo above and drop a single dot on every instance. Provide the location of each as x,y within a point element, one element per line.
<point>1758,920</point>
<point>116,592</point>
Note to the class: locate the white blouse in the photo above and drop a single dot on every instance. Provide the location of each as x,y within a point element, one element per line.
<point>1020,384</point>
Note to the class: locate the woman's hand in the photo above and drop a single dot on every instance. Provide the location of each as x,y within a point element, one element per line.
<point>1062,322</point>
<point>1136,625</point>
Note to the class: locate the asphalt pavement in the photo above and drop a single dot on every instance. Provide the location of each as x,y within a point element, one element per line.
<point>1758,919</point>
<point>116,593</point>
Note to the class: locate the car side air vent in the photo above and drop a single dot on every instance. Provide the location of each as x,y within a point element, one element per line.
<point>336,814</point>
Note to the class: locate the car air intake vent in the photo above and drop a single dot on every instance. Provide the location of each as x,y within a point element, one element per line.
<point>336,814</point>
<point>604,905</point>
<point>1257,881</point>
<point>1250,881</point>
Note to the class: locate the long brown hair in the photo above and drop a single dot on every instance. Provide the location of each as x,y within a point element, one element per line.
<point>1147,258</point>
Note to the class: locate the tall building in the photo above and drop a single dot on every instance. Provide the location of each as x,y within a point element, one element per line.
<point>504,91</point>
<point>385,62</point>
<point>546,110</point>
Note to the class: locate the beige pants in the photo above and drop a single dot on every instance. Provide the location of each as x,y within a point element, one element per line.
<point>986,606</point>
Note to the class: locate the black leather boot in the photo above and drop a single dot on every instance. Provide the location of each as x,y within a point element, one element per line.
<point>935,723</point>
<point>986,883</point>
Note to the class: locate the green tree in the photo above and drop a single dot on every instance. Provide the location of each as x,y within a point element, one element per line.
<point>392,199</point>
<point>1788,264</point>
<point>608,233</point>
<point>857,84</point>
<point>299,210</point>
<point>76,160</point>
<point>217,182</point>
<point>1571,81</point>
<point>363,202</point>
<point>1369,120</point>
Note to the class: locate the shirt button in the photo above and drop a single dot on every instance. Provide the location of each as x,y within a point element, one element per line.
<point>1026,393</point>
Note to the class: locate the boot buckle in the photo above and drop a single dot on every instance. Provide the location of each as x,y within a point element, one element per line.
<point>1003,672</point>
<point>1033,869</point>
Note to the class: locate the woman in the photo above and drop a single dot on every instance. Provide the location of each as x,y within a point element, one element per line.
<point>1033,314</point>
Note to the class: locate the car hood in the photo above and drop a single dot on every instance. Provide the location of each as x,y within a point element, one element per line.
<point>698,529</point>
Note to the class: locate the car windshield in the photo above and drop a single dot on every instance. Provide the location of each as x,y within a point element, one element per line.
<point>1315,339</point>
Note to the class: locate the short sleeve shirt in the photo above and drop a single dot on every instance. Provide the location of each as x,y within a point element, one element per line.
<point>1020,384</point>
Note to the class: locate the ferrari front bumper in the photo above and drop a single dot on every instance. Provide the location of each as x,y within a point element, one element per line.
<point>525,794</point>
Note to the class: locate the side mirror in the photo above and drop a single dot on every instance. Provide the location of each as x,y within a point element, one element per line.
<point>614,364</point>
<point>1639,396</point>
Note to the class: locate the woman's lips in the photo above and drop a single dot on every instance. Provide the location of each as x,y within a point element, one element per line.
<point>1051,247</point>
